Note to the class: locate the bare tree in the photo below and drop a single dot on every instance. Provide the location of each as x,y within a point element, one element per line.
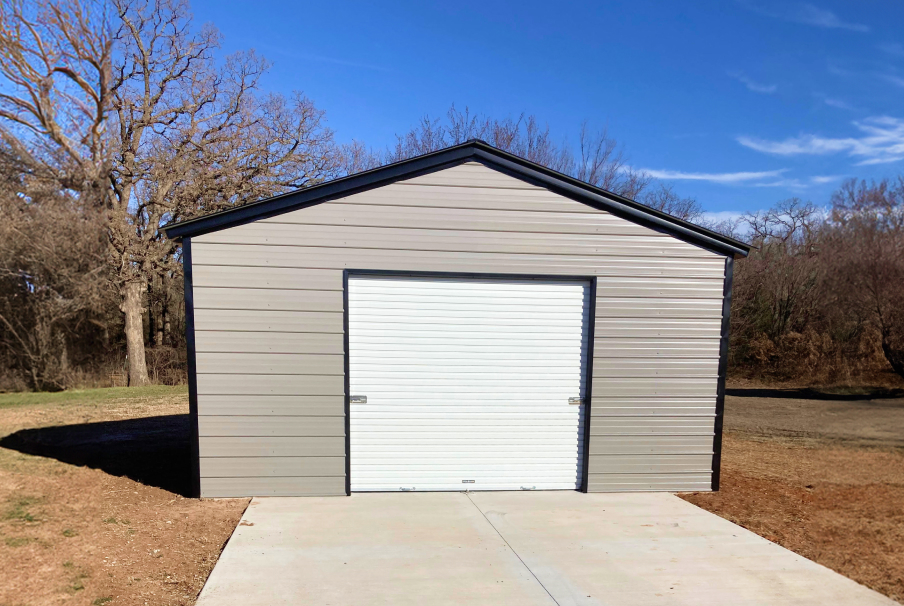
<point>599,162</point>
<point>127,105</point>
<point>868,252</point>
<point>53,287</point>
<point>664,198</point>
<point>191,136</point>
<point>779,285</point>
<point>55,69</point>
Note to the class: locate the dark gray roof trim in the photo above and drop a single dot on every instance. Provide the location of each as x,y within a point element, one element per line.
<point>472,151</point>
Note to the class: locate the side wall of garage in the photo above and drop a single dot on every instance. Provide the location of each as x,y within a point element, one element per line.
<point>268,316</point>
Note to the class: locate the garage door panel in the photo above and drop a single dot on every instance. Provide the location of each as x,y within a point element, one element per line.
<point>466,380</point>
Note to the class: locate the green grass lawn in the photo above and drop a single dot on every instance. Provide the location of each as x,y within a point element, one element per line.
<point>88,396</point>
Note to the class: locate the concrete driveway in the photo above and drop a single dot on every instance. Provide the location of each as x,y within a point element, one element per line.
<point>504,548</point>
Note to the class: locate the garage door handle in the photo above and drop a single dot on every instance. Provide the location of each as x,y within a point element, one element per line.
<point>357,400</point>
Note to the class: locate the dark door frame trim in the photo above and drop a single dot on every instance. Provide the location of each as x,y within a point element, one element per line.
<point>588,379</point>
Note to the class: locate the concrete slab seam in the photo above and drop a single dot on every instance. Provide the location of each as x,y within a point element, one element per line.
<point>523,563</point>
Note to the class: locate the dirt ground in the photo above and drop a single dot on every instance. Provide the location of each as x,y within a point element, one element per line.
<point>821,474</point>
<point>75,529</point>
<point>92,512</point>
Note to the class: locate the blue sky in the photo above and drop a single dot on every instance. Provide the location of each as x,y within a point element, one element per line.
<point>738,103</point>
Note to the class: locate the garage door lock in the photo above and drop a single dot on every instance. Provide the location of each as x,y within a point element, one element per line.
<point>357,399</point>
<point>576,401</point>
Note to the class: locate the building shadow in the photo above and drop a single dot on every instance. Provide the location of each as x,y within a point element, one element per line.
<point>154,451</point>
<point>807,393</point>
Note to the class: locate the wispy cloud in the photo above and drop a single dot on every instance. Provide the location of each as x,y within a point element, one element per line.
<point>724,178</point>
<point>895,49</point>
<point>764,178</point>
<point>823,179</point>
<point>893,79</point>
<point>807,14</point>
<point>723,215</point>
<point>752,85</point>
<point>800,183</point>
<point>881,141</point>
<point>836,103</point>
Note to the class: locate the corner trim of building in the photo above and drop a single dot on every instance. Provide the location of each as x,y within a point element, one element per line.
<point>723,366</point>
<point>191,363</point>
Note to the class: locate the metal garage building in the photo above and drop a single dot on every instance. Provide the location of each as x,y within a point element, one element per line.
<point>464,320</point>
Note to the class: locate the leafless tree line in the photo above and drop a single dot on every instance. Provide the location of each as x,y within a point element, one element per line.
<point>118,116</point>
<point>821,297</point>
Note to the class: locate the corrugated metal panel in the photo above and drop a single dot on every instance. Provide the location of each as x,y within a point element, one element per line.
<point>673,425</point>
<point>647,248</point>
<point>250,342</point>
<point>257,446</point>
<point>436,418</point>
<point>474,174</point>
<point>628,347</point>
<point>284,278</point>
<point>633,307</point>
<point>414,259</point>
<point>265,385</point>
<point>252,426</point>
<point>273,486</point>
<point>648,445</point>
<point>267,299</point>
<point>655,367</point>
<point>313,406</point>
<point>639,482</point>
<point>272,364</point>
<point>228,320</point>
<point>365,213</point>
<point>656,387</point>
<point>658,303</point>
<point>286,467</point>
<point>654,464</point>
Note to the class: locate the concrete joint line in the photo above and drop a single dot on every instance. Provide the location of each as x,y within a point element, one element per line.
<point>523,563</point>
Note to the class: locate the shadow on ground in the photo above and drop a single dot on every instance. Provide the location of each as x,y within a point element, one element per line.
<point>807,393</point>
<point>155,451</point>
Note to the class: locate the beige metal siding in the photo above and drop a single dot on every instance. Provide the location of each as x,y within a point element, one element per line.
<point>269,322</point>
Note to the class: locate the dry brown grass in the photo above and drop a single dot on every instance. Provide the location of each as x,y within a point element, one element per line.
<point>76,535</point>
<point>841,506</point>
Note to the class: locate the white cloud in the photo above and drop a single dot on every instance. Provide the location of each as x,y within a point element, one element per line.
<point>752,85</point>
<point>723,215</point>
<point>893,79</point>
<point>800,183</point>
<point>894,49</point>
<point>813,15</point>
<point>807,14</point>
<point>838,103</point>
<point>823,179</point>
<point>724,178</point>
<point>881,141</point>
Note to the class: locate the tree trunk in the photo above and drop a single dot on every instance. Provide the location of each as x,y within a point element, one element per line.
<point>152,324</point>
<point>131,308</point>
<point>167,339</point>
<point>894,355</point>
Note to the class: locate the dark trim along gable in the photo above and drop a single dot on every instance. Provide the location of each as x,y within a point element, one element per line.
<point>472,151</point>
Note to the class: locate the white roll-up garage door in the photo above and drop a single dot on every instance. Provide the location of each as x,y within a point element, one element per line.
<point>466,384</point>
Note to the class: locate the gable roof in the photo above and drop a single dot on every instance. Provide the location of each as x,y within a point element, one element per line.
<point>471,151</point>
